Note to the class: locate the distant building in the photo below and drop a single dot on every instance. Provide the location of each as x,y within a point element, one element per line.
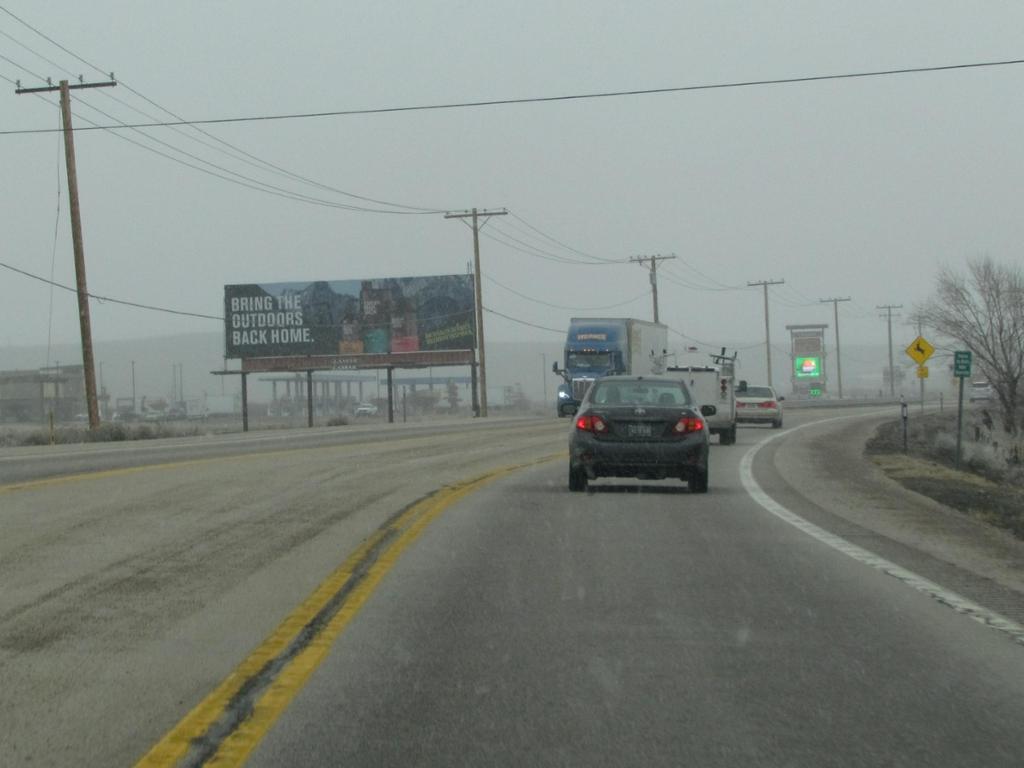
<point>31,395</point>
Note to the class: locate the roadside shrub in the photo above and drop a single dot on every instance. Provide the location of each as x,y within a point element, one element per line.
<point>337,421</point>
<point>106,433</point>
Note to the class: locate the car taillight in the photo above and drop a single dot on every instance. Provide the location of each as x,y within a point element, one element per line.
<point>591,423</point>
<point>768,404</point>
<point>688,424</point>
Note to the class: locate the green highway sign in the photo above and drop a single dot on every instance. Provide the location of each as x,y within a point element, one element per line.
<point>961,364</point>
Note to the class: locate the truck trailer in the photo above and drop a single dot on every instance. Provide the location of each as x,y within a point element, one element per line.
<point>602,346</point>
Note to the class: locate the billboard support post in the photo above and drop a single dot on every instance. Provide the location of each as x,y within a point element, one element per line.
<point>309,398</point>
<point>245,402</point>
<point>391,395</point>
<point>473,385</point>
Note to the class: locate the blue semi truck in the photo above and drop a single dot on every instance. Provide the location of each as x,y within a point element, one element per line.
<point>600,346</point>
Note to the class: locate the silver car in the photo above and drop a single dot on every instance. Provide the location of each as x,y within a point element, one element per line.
<point>758,405</point>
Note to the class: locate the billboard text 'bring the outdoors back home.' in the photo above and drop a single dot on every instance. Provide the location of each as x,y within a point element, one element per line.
<point>349,317</point>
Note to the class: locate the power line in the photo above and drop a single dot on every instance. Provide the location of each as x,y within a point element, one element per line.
<point>708,343</point>
<point>532,250</point>
<point>721,286</point>
<point>560,306</point>
<point>110,299</point>
<point>567,247</point>
<point>547,99</point>
<point>242,180</point>
<point>262,163</point>
<point>678,280</point>
<point>22,68</point>
<point>253,182</point>
<point>559,331</point>
<point>788,303</point>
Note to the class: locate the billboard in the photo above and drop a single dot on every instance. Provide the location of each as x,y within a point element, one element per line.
<point>807,367</point>
<point>349,317</point>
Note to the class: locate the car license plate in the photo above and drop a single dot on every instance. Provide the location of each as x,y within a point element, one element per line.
<point>639,430</point>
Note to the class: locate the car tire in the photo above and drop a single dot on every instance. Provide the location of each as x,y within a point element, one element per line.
<point>727,436</point>
<point>577,480</point>
<point>698,481</point>
<point>777,424</point>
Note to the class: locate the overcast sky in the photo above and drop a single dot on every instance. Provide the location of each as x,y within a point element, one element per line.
<point>854,187</point>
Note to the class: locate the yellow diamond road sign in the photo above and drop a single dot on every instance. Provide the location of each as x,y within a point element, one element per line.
<point>920,350</point>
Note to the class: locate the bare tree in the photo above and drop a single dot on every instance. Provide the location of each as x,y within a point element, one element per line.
<point>984,311</point>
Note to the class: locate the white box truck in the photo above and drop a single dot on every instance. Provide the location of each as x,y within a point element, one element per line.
<point>713,385</point>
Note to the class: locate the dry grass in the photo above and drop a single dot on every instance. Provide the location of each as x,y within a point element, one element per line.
<point>988,486</point>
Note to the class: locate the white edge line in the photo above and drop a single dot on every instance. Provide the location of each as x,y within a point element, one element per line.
<point>946,597</point>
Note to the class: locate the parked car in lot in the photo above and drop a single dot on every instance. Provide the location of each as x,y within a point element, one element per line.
<point>643,427</point>
<point>758,405</point>
<point>366,409</point>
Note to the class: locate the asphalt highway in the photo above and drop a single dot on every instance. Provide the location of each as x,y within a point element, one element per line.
<point>418,599</point>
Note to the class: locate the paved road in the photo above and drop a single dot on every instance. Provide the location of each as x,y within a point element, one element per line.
<point>640,625</point>
<point>131,591</point>
<point>636,624</point>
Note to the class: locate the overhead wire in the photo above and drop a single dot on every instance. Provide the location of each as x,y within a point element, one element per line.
<point>678,280</point>
<point>643,295</point>
<point>252,182</point>
<point>721,286</point>
<point>22,68</point>
<point>787,302</point>
<point>109,299</point>
<point>499,236</point>
<point>559,331</point>
<point>558,257</point>
<point>236,153</point>
<point>559,98</point>
<point>554,240</point>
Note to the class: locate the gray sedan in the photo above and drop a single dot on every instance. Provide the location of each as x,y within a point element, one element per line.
<point>642,427</point>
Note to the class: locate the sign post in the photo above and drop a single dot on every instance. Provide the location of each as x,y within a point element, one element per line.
<point>919,351</point>
<point>904,415</point>
<point>961,369</point>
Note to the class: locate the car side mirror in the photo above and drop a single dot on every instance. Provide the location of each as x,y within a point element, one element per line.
<point>781,399</point>
<point>554,367</point>
<point>708,410</point>
<point>741,388</point>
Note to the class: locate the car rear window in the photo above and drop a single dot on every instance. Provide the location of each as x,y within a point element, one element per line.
<point>639,393</point>
<point>756,392</point>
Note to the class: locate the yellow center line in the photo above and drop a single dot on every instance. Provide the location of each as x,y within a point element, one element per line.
<point>280,692</point>
<point>122,471</point>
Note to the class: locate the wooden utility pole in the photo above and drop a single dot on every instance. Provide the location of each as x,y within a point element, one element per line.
<point>476,226</point>
<point>767,328</point>
<point>892,372</point>
<point>88,361</point>
<point>654,275</point>
<point>839,364</point>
